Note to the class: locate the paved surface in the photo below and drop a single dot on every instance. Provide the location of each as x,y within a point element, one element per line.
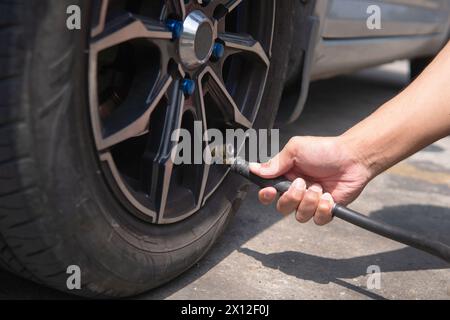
<point>265,256</point>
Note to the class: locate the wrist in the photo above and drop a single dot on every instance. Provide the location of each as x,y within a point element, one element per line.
<point>362,154</point>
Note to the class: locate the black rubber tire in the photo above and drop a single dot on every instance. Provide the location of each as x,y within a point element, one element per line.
<point>56,208</point>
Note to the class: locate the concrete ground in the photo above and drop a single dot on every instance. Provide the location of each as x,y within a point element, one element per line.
<point>265,256</point>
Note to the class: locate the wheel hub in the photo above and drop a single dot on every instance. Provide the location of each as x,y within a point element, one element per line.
<point>197,39</point>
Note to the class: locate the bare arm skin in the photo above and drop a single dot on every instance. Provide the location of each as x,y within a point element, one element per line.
<point>327,169</point>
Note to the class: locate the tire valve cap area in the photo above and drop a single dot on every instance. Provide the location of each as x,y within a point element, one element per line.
<point>188,86</point>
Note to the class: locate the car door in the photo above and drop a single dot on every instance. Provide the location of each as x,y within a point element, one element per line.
<point>355,34</point>
<point>346,19</point>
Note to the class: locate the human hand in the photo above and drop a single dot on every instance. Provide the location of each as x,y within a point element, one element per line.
<point>323,171</point>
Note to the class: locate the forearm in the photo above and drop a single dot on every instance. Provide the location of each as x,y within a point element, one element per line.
<point>413,119</point>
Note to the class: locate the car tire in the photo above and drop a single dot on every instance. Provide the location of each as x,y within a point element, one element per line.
<point>56,208</point>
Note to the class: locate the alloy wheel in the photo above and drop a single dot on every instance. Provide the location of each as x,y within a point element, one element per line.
<point>157,66</point>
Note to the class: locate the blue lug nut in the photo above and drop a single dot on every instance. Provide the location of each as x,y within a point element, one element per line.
<point>176,27</point>
<point>218,50</point>
<point>188,86</point>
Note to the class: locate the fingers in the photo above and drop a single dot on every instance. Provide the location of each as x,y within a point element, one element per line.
<point>315,205</point>
<point>279,164</point>
<point>289,201</point>
<point>306,202</point>
<point>267,195</point>
<point>323,214</point>
<point>308,206</point>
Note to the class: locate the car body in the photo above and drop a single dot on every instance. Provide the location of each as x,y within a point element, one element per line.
<point>339,40</point>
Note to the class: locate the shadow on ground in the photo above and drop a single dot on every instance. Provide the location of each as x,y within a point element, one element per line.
<point>429,220</point>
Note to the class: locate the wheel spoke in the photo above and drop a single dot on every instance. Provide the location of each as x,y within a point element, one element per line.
<point>200,109</point>
<point>103,8</point>
<point>136,126</point>
<point>178,7</point>
<point>221,94</point>
<point>232,4</point>
<point>128,27</point>
<point>226,7</point>
<point>236,43</point>
<point>157,163</point>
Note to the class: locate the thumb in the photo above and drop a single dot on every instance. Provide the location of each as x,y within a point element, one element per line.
<point>275,167</point>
